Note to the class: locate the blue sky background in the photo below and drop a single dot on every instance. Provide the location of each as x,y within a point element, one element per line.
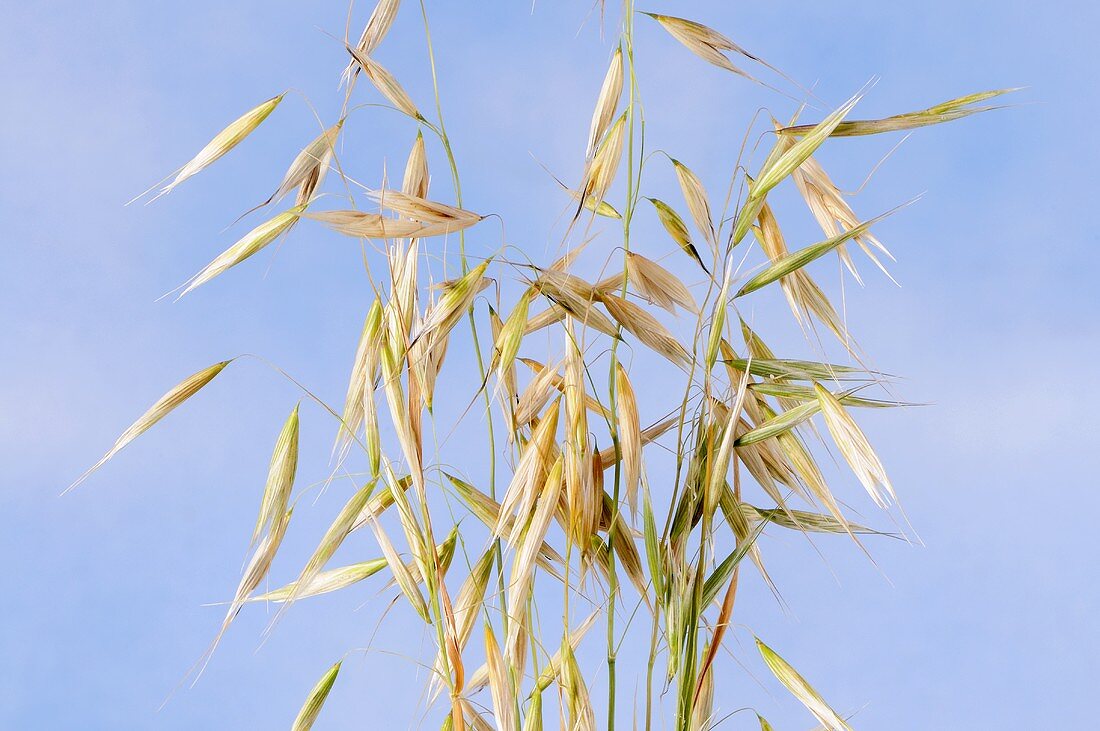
<point>991,624</point>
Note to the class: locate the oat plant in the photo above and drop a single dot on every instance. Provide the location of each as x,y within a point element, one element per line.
<point>642,441</point>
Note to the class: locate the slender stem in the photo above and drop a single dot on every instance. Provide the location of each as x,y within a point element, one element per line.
<point>628,212</point>
<point>453,165</point>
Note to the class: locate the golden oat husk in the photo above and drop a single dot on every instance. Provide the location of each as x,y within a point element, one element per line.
<point>946,112</point>
<point>249,244</point>
<point>385,82</point>
<point>179,393</point>
<point>309,166</point>
<point>856,449</point>
<point>604,165</point>
<point>801,689</point>
<point>519,497</point>
<point>527,553</point>
<point>695,195</point>
<point>418,208</point>
<point>415,180</point>
<point>224,141</point>
<point>280,476</point>
<point>359,406</point>
<point>657,284</point>
<point>500,684</point>
<point>608,101</point>
<point>630,436</point>
<point>646,328</point>
<point>378,25</point>
<point>360,224</point>
<point>794,155</point>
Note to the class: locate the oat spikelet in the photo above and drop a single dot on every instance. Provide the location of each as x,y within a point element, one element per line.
<point>224,141</point>
<point>374,226</point>
<point>415,181</point>
<point>676,228</point>
<point>385,82</point>
<point>527,478</point>
<point>179,393</point>
<point>658,285</point>
<point>786,163</point>
<point>258,566</point>
<point>792,263</point>
<point>249,244</point>
<point>575,297</point>
<point>646,328</point>
<point>578,703</point>
<point>359,408</point>
<point>536,395</point>
<point>601,170</point>
<point>833,213</point>
<point>706,43</point>
<point>280,476</point>
<point>607,102</point>
<point>507,342</point>
<point>696,197</point>
<point>581,498</point>
<point>801,690</point>
<point>718,321</point>
<point>946,112</point>
<point>453,304</point>
<point>630,435</point>
<point>523,566</point>
<point>378,25</point>
<point>500,684</point>
<point>308,168</point>
<point>381,502</point>
<point>856,449</point>
<point>420,209</point>
<point>325,582</point>
<point>334,537</point>
<point>316,699</point>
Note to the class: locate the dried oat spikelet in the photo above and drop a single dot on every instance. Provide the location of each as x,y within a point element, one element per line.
<point>378,25</point>
<point>280,476</point>
<point>308,168</point>
<point>794,262</point>
<point>607,103</point>
<point>630,436</point>
<point>523,566</point>
<point>500,684</point>
<point>604,165</point>
<point>945,112</point>
<point>386,83</point>
<point>258,566</point>
<point>695,195</point>
<point>856,449</point>
<point>179,393</point>
<point>415,180</point>
<point>454,303</point>
<point>646,328</point>
<point>249,244</point>
<point>658,285</point>
<point>801,690</point>
<point>794,155</point>
<point>359,406</point>
<point>416,208</point>
<point>223,142</point>
<point>706,43</point>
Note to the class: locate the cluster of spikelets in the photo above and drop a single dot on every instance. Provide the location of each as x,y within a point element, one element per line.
<point>745,414</point>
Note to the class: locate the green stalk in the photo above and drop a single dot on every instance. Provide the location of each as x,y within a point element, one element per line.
<point>441,132</point>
